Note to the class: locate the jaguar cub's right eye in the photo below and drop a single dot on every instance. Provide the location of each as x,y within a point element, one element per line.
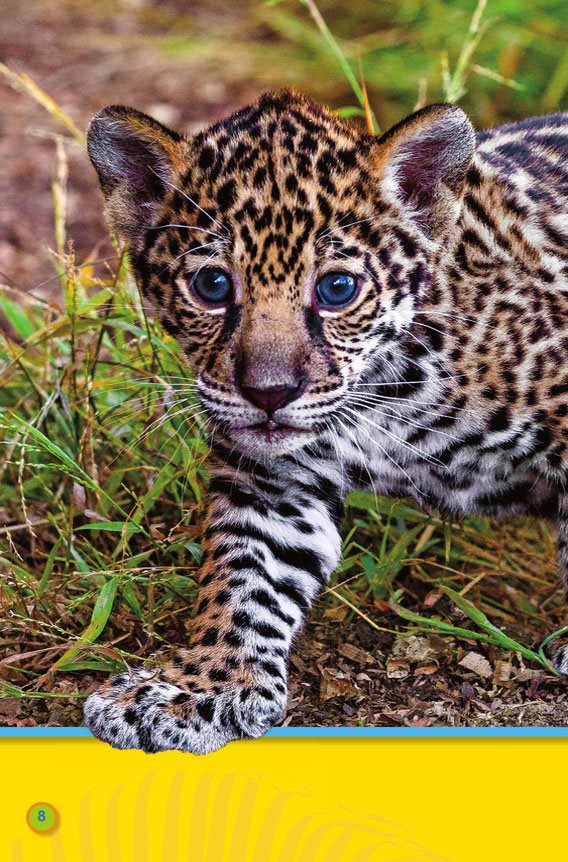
<point>336,290</point>
<point>212,286</point>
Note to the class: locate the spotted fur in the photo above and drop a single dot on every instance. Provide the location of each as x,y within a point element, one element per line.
<point>445,379</point>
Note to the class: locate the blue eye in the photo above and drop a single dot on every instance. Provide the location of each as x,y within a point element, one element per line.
<point>213,286</point>
<point>336,289</point>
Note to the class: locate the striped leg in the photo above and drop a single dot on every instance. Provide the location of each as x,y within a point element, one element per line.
<point>560,653</point>
<point>270,542</point>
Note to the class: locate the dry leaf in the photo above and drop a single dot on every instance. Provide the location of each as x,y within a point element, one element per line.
<point>427,669</point>
<point>78,497</point>
<point>383,606</point>
<point>397,668</point>
<point>332,686</point>
<point>355,654</point>
<point>413,648</point>
<point>475,662</point>
<point>526,674</point>
<point>297,662</point>
<point>337,613</point>
<point>502,672</point>
<point>431,599</point>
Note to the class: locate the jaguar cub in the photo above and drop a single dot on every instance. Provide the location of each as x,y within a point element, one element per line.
<point>388,313</point>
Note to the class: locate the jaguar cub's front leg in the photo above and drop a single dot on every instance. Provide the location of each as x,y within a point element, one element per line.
<point>560,652</point>
<point>270,543</point>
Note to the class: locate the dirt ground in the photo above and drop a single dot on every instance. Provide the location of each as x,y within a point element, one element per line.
<point>343,670</point>
<point>86,59</point>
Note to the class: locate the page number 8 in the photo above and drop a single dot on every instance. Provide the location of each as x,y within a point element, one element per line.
<point>42,817</point>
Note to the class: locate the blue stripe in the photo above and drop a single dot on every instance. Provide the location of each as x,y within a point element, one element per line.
<point>329,732</point>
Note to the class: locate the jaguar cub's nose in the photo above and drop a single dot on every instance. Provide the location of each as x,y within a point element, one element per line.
<point>272,398</point>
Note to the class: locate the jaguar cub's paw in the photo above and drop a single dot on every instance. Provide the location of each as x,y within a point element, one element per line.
<point>137,710</point>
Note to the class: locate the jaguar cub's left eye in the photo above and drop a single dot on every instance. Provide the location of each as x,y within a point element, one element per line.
<point>213,286</point>
<point>336,289</point>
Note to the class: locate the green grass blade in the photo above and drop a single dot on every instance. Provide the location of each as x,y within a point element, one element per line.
<point>70,466</point>
<point>127,527</point>
<point>499,638</point>
<point>99,618</point>
<point>333,45</point>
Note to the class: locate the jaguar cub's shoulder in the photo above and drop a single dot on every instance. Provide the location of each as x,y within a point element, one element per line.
<point>515,212</point>
<point>530,155</point>
<point>551,129</point>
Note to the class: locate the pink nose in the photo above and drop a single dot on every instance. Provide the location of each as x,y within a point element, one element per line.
<point>273,398</point>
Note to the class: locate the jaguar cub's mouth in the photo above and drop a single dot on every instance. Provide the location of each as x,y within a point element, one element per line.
<point>272,436</point>
<point>272,431</point>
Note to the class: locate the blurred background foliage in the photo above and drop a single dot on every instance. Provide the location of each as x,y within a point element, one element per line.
<point>402,46</point>
<point>523,48</point>
<point>189,62</point>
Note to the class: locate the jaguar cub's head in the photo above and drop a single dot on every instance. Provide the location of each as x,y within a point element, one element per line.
<point>286,249</point>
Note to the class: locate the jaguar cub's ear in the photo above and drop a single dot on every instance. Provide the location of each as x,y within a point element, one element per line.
<point>423,161</point>
<point>136,158</point>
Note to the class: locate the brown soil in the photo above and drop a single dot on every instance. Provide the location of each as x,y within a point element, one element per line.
<point>345,673</point>
<point>86,59</point>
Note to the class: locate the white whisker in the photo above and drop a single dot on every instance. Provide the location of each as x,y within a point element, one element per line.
<point>403,443</point>
<point>401,418</point>
<point>219,224</point>
<point>190,227</point>
<point>387,455</point>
